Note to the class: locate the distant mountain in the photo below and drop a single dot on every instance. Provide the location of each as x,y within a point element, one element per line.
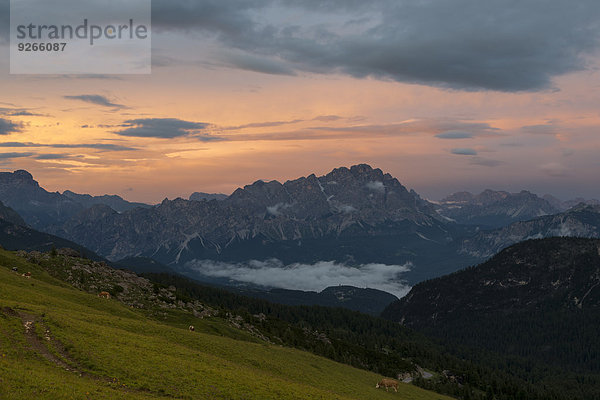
<point>368,301</point>
<point>44,210</point>
<point>580,221</point>
<point>20,237</point>
<point>113,201</point>
<point>538,299</point>
<point>565,205</point>
<point>352,215</point>
<point>494,209</point>
<point>34,204</point>
<point>199,196</point>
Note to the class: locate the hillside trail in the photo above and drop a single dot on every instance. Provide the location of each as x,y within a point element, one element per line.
<point>60,357</point>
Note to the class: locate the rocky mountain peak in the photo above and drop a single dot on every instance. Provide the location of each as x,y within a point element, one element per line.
<point>18,177</point>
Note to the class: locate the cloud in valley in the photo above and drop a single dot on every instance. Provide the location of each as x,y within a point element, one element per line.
<point>309,277</point>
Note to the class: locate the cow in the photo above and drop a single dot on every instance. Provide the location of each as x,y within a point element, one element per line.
<point>388,383</point>
<point>27,275</point>
<point>106,295</point>
<point>191,328</point>
<point>15,269</point>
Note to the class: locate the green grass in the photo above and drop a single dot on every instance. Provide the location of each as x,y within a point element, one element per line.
<point>126,355</point>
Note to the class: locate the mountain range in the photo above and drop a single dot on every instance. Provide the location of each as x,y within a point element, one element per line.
<point>353,216</point>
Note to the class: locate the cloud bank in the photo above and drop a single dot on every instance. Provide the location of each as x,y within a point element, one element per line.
<point>308,277</point>
<point>465,44</point>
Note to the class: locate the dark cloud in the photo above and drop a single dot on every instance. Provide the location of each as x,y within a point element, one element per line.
<point>464,152</point>
<point>166,128</point>
<point>327,118</point>
<point>8,156</point>
<point>465,44</point>
<point>53,156</point>
<point>98,146</point>
<point>96,99</point>
<point>7,127</point>
<point>24,113</point>
<point>454,135</point>
<point>18,112</point>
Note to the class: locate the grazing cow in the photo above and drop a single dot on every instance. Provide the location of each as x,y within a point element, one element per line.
<point>191,328</point>
<point>388,383</point>
<point>27,275</point>
<point>106,295</point>
<point>15,269</point>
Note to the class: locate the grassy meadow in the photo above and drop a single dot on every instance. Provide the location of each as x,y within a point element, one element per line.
<point>115,352</point>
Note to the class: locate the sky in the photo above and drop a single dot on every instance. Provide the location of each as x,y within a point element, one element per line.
<point>444,95</point>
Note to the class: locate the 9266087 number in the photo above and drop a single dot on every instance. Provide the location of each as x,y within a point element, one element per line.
<point>41,46</point>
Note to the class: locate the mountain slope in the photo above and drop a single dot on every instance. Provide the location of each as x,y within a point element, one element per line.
<point>51,330</point>
<point>9,215</point>
<point>368,301</point>
<point>20,237</point>
<point>494,208</point>
<point>580,221</point>
<point>539,300</point>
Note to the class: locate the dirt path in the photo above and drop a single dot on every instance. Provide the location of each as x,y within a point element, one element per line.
<point>59,356</point>
<point>41,346</point>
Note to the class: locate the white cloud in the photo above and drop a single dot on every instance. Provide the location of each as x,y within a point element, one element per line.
<point>276,209</point>
<point>376,186</point>
<point>315,277</point>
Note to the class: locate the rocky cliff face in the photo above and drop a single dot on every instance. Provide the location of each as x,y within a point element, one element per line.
<point>581,221</point>
<point>494,208</point>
